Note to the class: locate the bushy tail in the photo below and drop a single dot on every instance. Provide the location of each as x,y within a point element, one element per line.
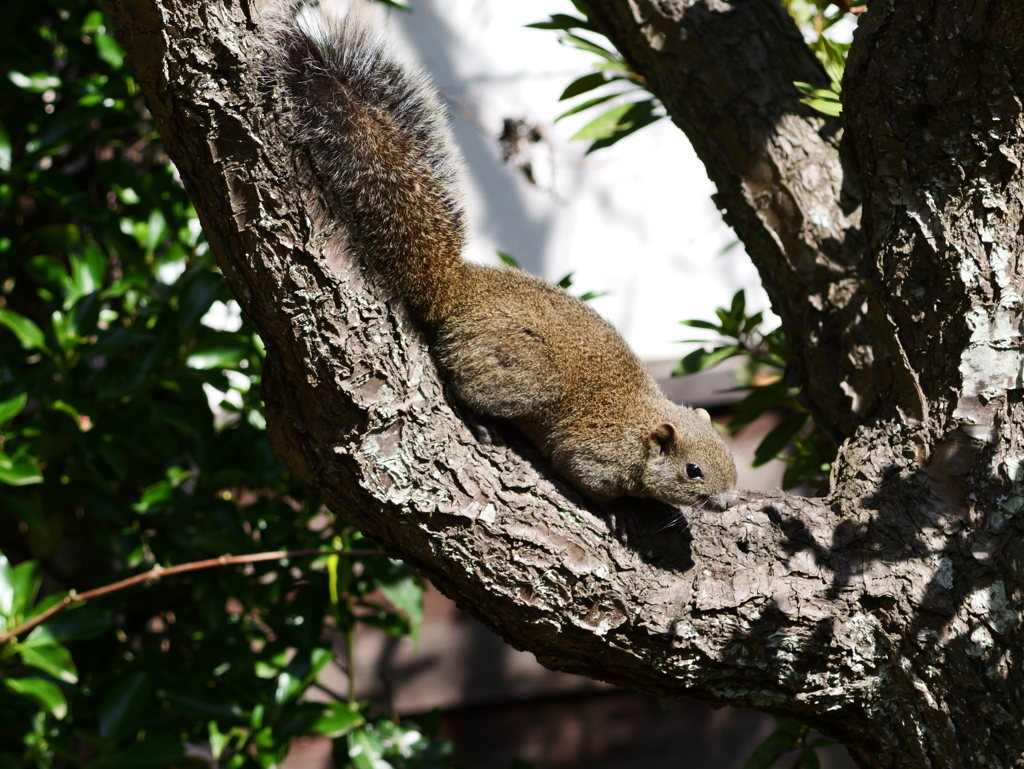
<point>377,136</point>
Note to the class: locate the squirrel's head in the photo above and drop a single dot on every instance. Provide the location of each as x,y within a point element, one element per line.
<point>688,463</point>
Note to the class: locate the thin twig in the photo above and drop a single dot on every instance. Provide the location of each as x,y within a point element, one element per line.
<point>158,572</point>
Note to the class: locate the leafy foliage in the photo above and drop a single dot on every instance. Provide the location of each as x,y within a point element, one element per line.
<point>764,355</point>
<point>815,18</point>
<point>628,114</point>
<point>833,58</point>
<point>131,435</point>
<point>624,117</point>
<point>790,735</point>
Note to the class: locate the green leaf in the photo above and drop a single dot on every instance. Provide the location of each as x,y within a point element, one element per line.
<point>200,704</point>
<point>805,470</point>
<point>117,339</point>
<point>753,322</point>
<point>18,587</point>
<point>406,595</point>
<point>23,470</point>
<point>6,590</point>
<point>123,704</point>
<point>365,751</point>
<point>732,319</point>
<point>122,287</point>
<point>42,635</point>
<point>336,720</point>
<point>700,360</point>
<point>760,399</point>
<point>611,122</point>
<point>25,579</point>
<point>288,686</point>
<point>109,50</point>
<point>590,295</point>
<point>566,281</point>
<point>809,759</point>
<point>85,316</point>
<point>784,739</point>
<point>77,623</point>
<point>64,329</point>
<point>218,739</point>
<point>5,149</point>
<point>88,270</point>
<point>778,439</point>
<point>93,23</point>
<point>561,21</point>
<point>28,333</point>
<point>832,56</point>
<point>13,407</point>
<point>585,84</point>
<point>618,123</point>
<point>392,624</point>
<point>778,346</point>
<point>301,673</point>
<point>738,310</point>
<point>827,102</point>
<point>701,324</point>
<point>37,83</point>
<point>508,260</point>
<point>42,692</point>
<point>50,272</point>
<point>156,229</point>
<point>53,659</point>
<point>588,104</point>
<point>218,357</point>
<point>586,45</point>
<point>617,66</point>
<point>152,495</point>
<point>829,107</point>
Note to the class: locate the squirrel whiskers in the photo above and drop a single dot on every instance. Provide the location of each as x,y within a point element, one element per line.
<point>511,346</point>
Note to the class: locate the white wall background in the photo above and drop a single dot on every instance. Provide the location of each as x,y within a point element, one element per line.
<point>635,219</point>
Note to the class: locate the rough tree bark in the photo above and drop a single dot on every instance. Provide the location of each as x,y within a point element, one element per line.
<point>887,614</point>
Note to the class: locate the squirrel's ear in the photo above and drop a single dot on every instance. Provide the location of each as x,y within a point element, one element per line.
<point>663,436</point>
<point>703,414</point>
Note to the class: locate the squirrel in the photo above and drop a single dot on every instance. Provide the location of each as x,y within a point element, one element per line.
<point>511,346</point>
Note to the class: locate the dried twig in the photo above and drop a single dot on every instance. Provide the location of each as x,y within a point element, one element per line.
<point>158,572</point>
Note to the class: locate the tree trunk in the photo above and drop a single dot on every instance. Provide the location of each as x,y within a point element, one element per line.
<point>888,614</point>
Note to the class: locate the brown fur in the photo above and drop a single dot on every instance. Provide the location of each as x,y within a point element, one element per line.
<point>512,346</point>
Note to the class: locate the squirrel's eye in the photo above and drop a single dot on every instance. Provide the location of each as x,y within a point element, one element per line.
<point>693,472</point>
